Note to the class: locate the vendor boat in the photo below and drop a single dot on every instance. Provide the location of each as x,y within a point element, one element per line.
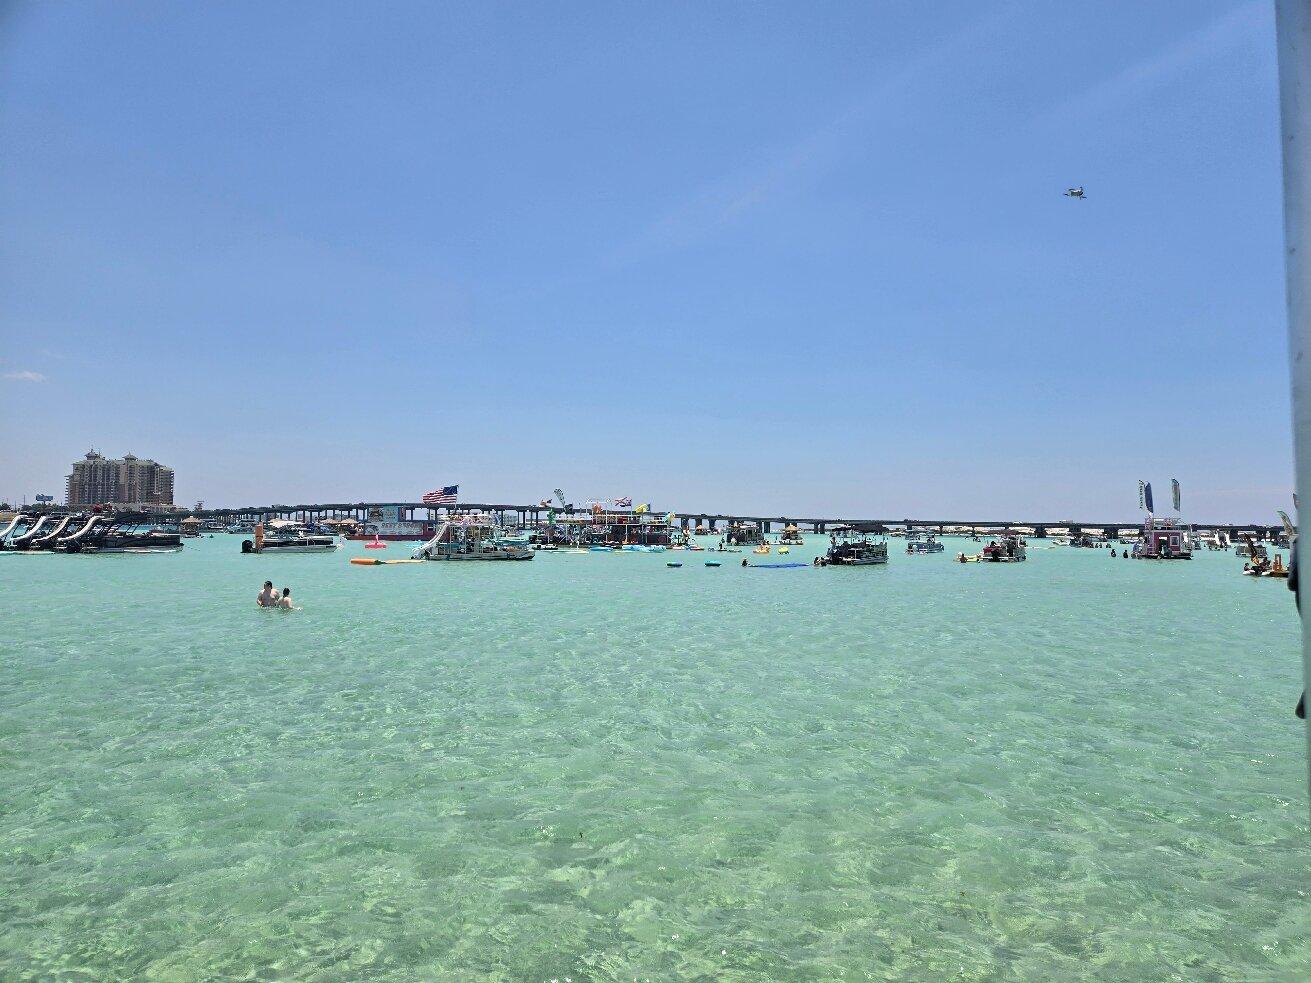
<point>791,536</point>
<point>1164,539</point>
<point>395,532</point>
<point>474,539</point>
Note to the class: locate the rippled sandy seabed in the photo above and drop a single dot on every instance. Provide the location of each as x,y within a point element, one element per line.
<point>599,768</point>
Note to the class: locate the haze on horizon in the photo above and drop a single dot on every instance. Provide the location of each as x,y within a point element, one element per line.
<point>756,257</point>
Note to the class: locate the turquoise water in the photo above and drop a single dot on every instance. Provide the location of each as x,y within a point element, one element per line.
<point>597,768</point>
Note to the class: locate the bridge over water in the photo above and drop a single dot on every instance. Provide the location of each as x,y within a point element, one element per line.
<point>715,521</point>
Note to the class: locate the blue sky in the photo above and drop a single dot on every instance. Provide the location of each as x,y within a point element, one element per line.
<point>775,258</point>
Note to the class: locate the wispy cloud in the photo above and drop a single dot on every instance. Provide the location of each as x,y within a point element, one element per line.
<point>25,375</point>
<point>725,199</point>
<point>1242,23</point>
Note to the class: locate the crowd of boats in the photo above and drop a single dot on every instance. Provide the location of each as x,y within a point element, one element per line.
<point>478,536</point>
<point>91,532</point>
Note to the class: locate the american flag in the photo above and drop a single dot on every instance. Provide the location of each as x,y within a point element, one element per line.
<point>442,496</point>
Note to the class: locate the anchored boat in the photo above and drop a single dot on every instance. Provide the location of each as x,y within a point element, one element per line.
<point>129,532</point>
<point>1164,539</point>
<point>1008,549</point>
<point>791,536</point>
<point>471,539</point>
<point>288,537</point>
<point>1265,567</point>
<point>849,548</point>
<point>929,545</point>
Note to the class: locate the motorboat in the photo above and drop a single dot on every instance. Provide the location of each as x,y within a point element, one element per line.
<point>1164,539</point>
<point>744,534</point>
<point>33,527</point>
<point>924,546</point>
<point>853,549</point>
<point>37,533</point>
<point>288,537</point>
<point>1006,549</point>
<point>471,539</point>
<point>120,533</point>
<point>47,541</point>
<point>18,522</point>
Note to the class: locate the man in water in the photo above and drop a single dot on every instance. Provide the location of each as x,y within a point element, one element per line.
<point>268,597</point>
<point>285,603</point>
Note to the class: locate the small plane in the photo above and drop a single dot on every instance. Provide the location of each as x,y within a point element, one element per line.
<point>1074,192</point>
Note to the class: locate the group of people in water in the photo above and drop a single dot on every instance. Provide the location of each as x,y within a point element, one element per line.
<point>270,598</point>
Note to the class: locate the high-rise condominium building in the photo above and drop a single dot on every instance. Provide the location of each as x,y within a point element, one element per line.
<point>131,480</point>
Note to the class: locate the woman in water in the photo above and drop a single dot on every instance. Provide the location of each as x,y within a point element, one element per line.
<point>285,603</point>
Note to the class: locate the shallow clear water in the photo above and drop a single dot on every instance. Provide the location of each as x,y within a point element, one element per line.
<point>595,767</point>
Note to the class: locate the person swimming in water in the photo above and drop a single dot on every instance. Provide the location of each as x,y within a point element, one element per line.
<point>268,597</point>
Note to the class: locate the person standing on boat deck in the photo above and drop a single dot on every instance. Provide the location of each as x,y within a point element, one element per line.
<point>268,597</point>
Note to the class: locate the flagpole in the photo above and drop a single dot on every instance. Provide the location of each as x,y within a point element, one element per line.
<point>1293,34</point>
